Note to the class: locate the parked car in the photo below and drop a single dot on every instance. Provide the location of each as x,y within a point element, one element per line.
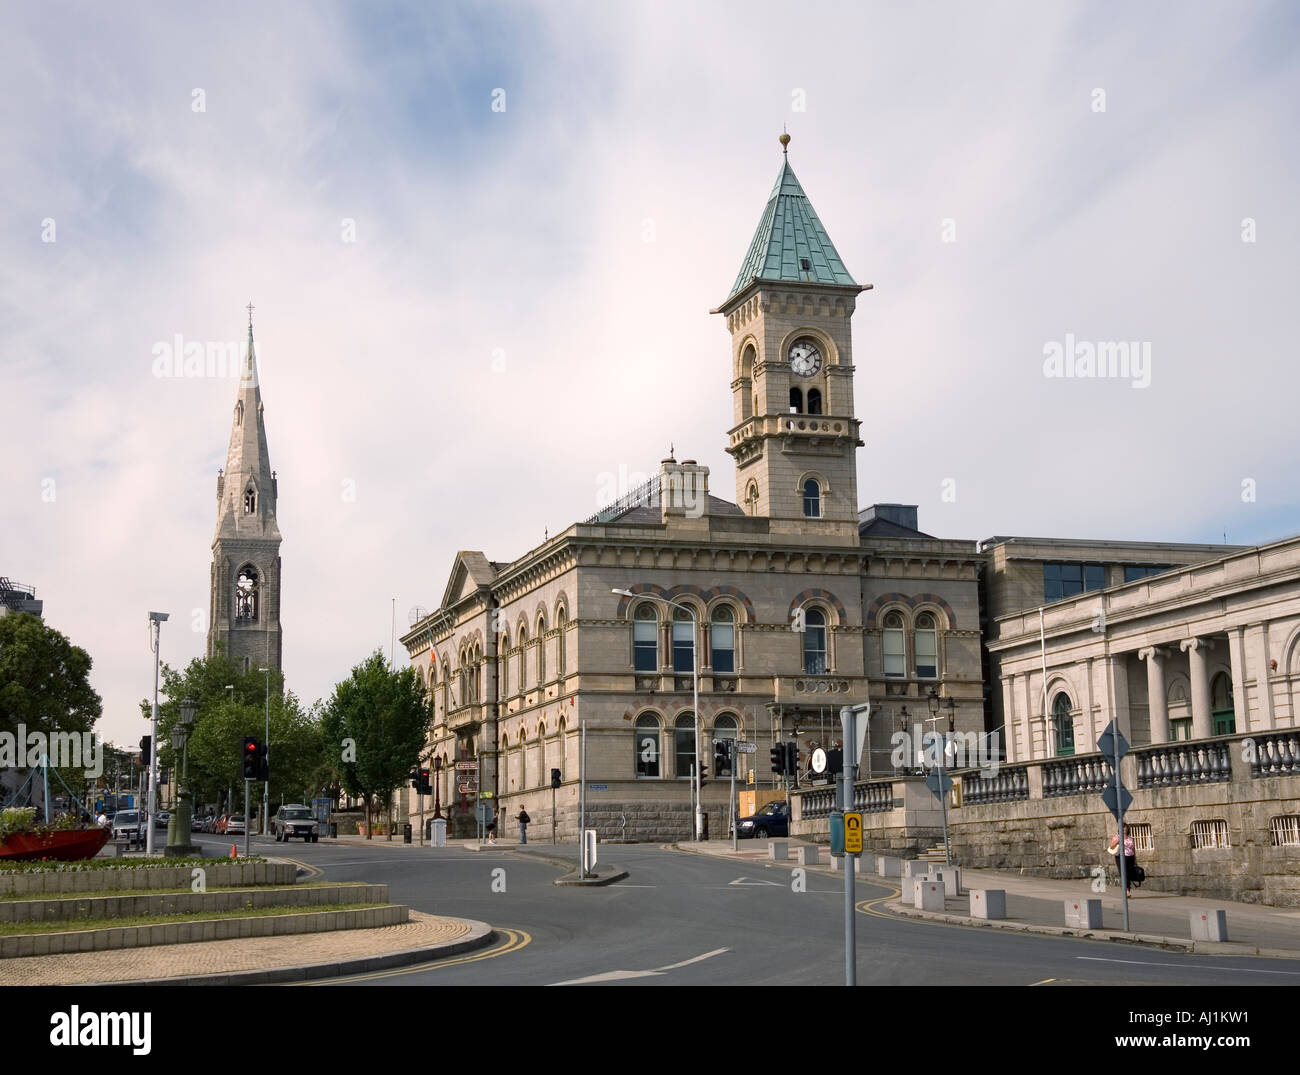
<point>220,824</point>
<point>210,823</point>
<point>772,820</point>
<point>161,819</point>
<point>234,825</point>
<point>196,824</point>
<point>295,820</point>
<point>126,826</point>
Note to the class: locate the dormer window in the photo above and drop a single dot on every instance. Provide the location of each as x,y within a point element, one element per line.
<point>250,501</point>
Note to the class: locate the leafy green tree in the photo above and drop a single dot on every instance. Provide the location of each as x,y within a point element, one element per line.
<point>376,724</point>
<point>44,679</point>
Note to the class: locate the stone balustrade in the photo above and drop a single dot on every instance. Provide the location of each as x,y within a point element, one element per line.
<point>1081,774</point>
<point>1275,754</point>
<point>1180,764</point>
<point>1009,784</point>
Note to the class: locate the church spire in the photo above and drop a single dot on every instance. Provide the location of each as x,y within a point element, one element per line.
<point>249,488</point>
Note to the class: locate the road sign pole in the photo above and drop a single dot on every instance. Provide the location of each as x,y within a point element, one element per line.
<point>947,847</point>
<point>247,826</point>
<point>847,718</point>
<point>1123,859</point>
<point>735,761</point>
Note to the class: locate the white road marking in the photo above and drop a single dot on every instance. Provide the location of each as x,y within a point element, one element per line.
<point>623,975</point>
<point>1187,966</point>
<point>747,881</point>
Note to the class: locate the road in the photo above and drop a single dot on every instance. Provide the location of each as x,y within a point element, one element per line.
<point>687,919</point>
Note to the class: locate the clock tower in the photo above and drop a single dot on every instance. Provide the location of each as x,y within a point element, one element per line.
<point>795,435</point>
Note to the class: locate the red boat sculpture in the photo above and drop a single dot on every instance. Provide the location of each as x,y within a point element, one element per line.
<point>68,845</point>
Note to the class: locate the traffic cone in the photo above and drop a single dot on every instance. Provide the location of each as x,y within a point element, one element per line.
<point>233,853</point>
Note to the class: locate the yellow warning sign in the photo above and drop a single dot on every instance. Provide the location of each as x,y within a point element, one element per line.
<point>853,834</point>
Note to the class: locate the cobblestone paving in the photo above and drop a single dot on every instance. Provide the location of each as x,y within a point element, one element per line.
<point>217,957</point>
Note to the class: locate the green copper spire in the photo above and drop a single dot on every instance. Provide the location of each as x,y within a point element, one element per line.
<point>791,244</point>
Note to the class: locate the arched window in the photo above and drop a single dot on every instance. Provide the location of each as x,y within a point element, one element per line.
<point>927,647</point>
<point>239,412</point>
<point>246,594</point>
<point>523,655</point>
<point>250,501</point>
<point>647,745</point>
<point>751,498</point>
<point>541,650</point>
<point>645,639</point>
<point>504,664</point>
<point>541,756</point>
<point>723,639</point>
<point>895,657</point>
<point>684,743</point>
<point>504,775</point>
<point>814,401</point>
<point>724,727</point>
<point>796,401</point>
<point>561,622</point>
<point>683,641</point>
<point>812,499</point>
<point>1225,718</point>
<point>814,642</point>
<point>1063,724</point>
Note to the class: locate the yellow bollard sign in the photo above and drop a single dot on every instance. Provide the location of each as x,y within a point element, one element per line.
<point>853,834</point>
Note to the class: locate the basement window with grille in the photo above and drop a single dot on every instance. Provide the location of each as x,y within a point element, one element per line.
<point>1141,834</point>
<point>1212,833</point>
<point>1285,830</point>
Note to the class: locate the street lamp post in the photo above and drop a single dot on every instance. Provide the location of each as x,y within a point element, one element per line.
<point>178,828</point>
<point>695,695</point>
<point>266,787</point>
<point>933,700</point>
<point>156,620</point>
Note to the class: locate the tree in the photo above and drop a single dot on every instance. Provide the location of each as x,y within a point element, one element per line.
<point>376,723</point>
<point>44,679</point>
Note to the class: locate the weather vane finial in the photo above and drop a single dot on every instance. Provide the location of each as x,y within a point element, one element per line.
<point>250,315</point>
<point>784,140</point>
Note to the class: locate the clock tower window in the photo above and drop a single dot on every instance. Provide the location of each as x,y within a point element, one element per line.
<point>812,499</point>
<point>796,401</point>
<point>814,401</point>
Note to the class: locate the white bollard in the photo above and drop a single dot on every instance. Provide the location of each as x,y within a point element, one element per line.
<point>988,903</point>
<point>950,876</point>
<point>778,850</point>
<point>928,895</point>
<point>1209,925</point>
<point>1083,914</point>
<point>807,855</point>
<point>889,866</point>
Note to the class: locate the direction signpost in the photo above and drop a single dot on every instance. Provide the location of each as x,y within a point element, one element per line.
<point>1117,798</point>
<point>940,783</point>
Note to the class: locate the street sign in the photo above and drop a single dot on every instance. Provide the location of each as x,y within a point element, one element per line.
<point>465,787</point>
<point>597,787</point>
<point>1106,743</point>
<point>488,795</point>
<point>819,760</point>
<point>853,834</point>
<point>747,748</point>
<point>467,766</point>
<point>751,776</point>
<point>939,783</point>
<point>483,812</point>
<point>1125,798</point>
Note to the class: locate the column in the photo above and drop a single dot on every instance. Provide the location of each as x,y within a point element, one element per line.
<point>1089,731</point>
<point>1157,699</point>
<point>1117,692</point>
<point>1237,661</point>
<point>1013,747</point>
<point>1259,658</point>
<point>1199,672</point>
<point>1026,728</point>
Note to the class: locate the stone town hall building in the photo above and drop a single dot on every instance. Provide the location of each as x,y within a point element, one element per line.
<point>792,599</point>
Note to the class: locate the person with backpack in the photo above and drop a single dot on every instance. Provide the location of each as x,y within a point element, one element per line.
<point>523,820</point>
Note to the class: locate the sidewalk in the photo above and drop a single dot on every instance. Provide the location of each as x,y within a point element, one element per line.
<point>1036,905</point>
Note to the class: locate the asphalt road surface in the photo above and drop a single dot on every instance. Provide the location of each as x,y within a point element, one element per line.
<point>687,919</point>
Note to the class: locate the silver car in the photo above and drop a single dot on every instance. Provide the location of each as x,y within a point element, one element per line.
<point>127,826</point>
<point>295,820</point>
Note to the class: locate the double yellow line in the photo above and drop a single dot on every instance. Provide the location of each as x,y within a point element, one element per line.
<point>514,939</point>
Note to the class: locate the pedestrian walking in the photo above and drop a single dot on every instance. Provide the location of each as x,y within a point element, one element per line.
<point>523,820</point>
<point>1130,867</point>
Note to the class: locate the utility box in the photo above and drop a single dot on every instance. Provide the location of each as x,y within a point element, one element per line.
<point>988,903</point>
<point>777,851</point>
<point>439,838</point>
<point>1083,914</point>
<point>589,842</point>
<point>928,895</point>
<point>808,855</point>
<point>950,876</point>
<point>837,833</point>
<point>888,866</point>
<point>1209,925</point>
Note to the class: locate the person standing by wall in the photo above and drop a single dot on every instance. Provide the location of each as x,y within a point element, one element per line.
<point>523,820</point>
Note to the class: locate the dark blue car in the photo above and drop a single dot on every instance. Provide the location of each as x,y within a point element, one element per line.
<point>772,820</point>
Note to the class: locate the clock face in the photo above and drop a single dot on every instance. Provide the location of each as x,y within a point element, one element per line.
<point>805,358</point>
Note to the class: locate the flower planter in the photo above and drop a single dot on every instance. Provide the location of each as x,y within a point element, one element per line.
<point>67,846</point>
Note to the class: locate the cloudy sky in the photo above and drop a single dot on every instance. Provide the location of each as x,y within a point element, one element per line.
<point>483,240</point>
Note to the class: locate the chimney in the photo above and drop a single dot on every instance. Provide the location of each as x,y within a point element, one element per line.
<point>683,489</point>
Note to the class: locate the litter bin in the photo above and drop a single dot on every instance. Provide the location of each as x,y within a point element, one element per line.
<point>406,833</point>
<point>439,832</point>
<point>334,830</point>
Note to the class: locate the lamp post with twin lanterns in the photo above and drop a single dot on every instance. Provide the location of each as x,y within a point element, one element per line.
<point>695,691</point>
<point>178,826</point>
<point>933,700</point>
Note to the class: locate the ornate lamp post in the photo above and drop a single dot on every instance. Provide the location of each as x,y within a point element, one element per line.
<point>178,827</point>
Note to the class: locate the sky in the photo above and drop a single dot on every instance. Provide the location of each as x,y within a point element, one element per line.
<point>483,240</point>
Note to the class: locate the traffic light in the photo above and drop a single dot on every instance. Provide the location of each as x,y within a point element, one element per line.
<point>414,774</point>
<point>263,762</point>
<point>834,762</point>
<point>721,757</point>
<point>146,746</point>
<point>792,759</point>
<point>426,782</point>
<point>555,778</point>
<point>777,758</point>
<point>704,773</point>
<point>250,756</point>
